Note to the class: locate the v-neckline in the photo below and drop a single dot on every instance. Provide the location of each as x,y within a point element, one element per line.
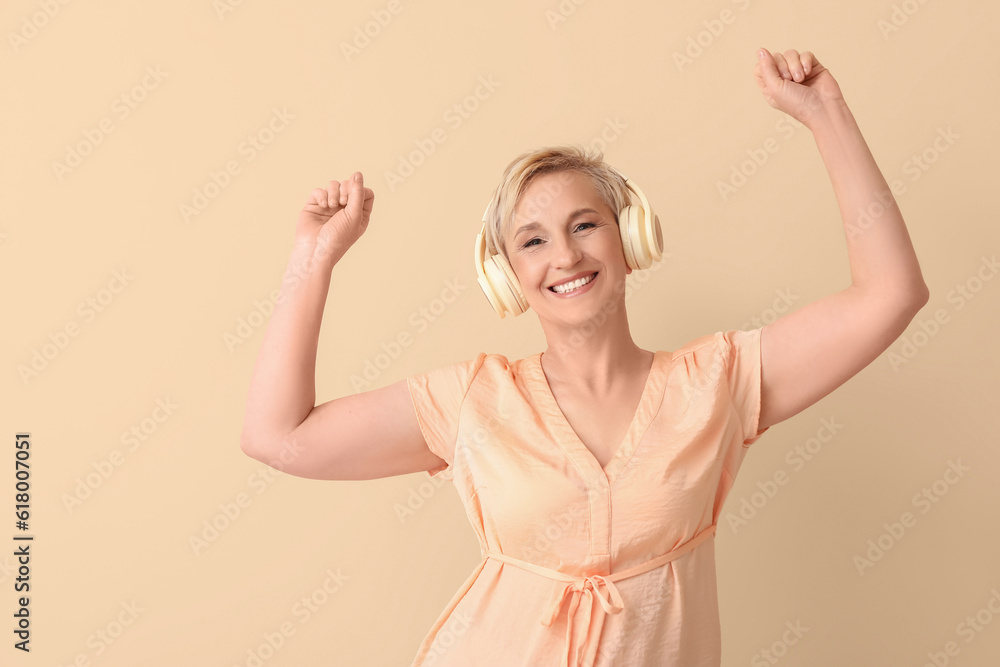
<point>569,440</point>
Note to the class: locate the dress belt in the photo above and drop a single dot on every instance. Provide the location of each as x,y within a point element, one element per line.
<point>588,585</point>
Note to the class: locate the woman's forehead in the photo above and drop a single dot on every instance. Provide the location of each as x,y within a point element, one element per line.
<point>549,193</point>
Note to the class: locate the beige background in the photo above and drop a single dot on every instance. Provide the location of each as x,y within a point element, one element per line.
<point>677,128</point>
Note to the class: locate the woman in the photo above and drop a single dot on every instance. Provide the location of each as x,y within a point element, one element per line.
<point>592,472</point>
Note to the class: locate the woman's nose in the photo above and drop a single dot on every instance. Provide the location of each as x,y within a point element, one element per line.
<point>565,251</point>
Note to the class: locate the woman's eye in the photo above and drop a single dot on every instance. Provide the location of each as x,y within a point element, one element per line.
<point>531,242</point>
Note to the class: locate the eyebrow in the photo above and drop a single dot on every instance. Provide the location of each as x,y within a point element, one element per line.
<point>536,225</point>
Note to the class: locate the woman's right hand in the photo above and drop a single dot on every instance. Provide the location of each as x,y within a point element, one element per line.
<point>335,217</point>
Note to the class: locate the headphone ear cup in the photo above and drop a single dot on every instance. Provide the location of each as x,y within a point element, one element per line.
<point>505,285</point>
<point>491,296</point>
<point>654,236</point>
<point>497,280</point>
<point>642,238</point>
<point>625,225</point>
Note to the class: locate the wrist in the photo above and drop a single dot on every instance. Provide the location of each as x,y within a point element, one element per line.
<point>317,250</point>
<point>828,115</point>
<point>309,264</point>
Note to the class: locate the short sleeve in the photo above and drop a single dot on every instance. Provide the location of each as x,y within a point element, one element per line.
<point>437,397</point>
<point>741,356</point>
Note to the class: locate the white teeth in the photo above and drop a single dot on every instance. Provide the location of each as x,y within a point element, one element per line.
<point>567,287</point>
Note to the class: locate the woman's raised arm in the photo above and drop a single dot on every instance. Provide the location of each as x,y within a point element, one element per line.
<point>368,435</point>
<point>809,352</point>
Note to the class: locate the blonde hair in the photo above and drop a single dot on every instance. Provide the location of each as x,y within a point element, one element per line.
<point>525,167</point>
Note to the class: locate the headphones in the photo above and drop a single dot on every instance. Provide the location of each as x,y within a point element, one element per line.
<point>642,241</point>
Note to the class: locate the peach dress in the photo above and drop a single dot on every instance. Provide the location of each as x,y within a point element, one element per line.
<point>584,565</point>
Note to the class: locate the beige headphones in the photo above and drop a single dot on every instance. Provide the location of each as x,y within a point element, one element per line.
<point>642,241</point>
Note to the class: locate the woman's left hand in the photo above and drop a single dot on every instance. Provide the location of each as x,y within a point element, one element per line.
<point>796,83</point>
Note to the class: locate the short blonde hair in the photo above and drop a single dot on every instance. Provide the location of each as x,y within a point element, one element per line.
<point>525,167</point>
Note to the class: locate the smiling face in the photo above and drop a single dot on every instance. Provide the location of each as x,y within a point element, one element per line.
<point>562,231</point>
